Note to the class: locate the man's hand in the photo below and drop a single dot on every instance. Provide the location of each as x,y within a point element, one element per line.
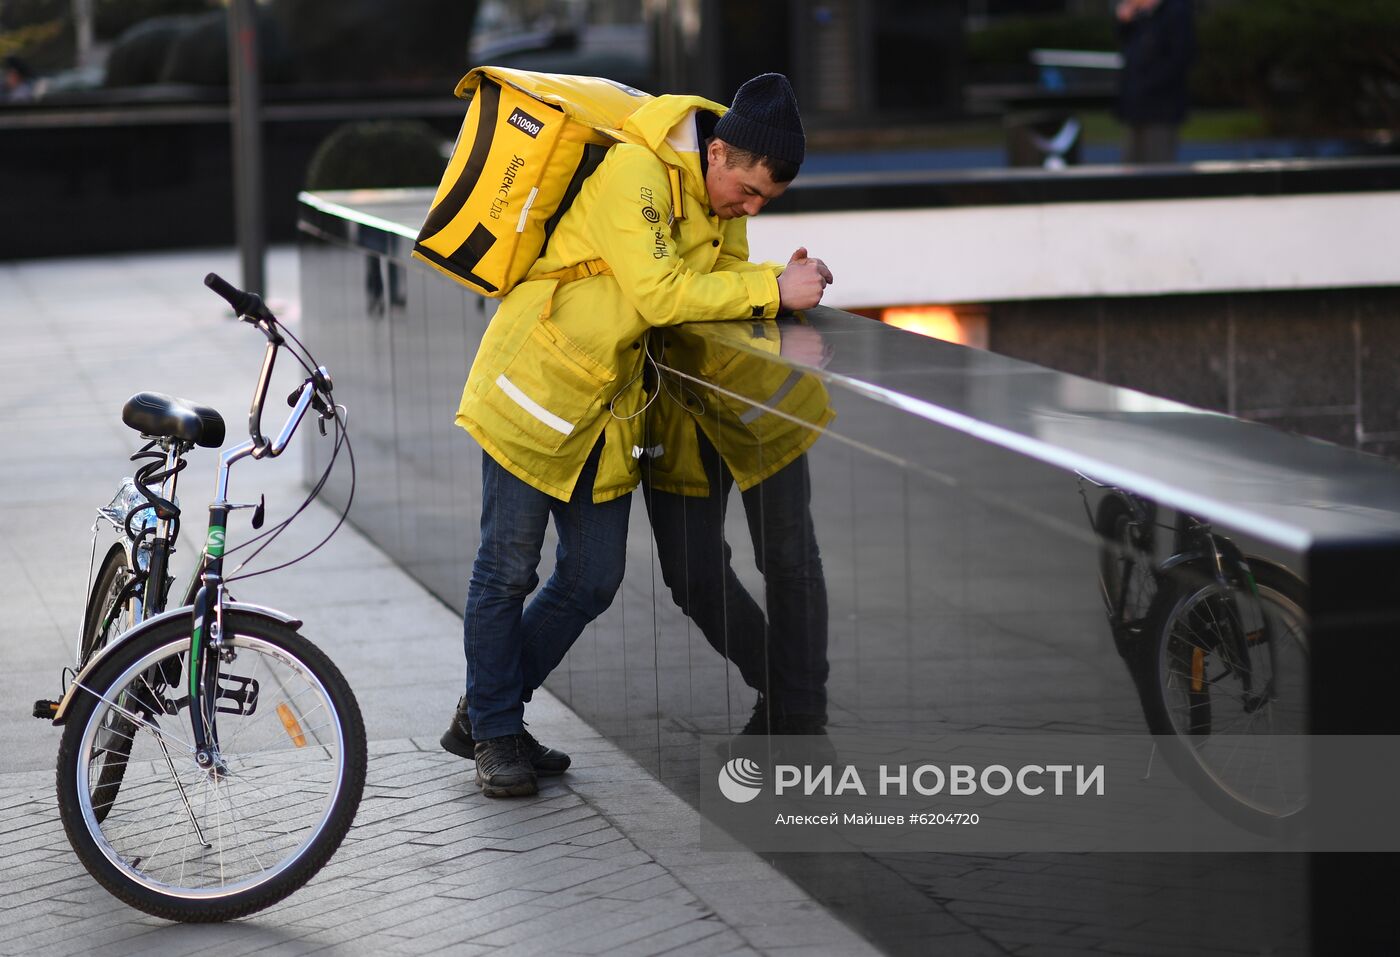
<point>803,281</point>
<point>803,344</point>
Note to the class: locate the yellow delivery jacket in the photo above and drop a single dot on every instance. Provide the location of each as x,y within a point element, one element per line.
<point>561,363</point>
<point>760,415</point>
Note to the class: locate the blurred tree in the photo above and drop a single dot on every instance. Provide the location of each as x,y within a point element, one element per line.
<point>139,54</point>
<point>112,18</point>
<point>191,48</point>
<point>359,41</point>
<point>40,31</point>
<point>199,55</point>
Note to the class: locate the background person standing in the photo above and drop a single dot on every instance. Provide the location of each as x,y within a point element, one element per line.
<point>1157,38</point>
<point>16,81</point>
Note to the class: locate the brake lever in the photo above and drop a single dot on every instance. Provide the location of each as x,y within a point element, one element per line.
<point>259,510</point>
<point>324,411</point>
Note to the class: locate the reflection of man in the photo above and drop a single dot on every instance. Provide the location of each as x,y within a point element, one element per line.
<point>555,394</point>
<point>703,442</point>
<point>1158,42</point>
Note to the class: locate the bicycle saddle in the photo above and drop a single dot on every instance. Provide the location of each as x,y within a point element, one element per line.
<point>157,414</point>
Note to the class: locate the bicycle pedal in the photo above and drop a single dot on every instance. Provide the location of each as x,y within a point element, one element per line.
<point>45,709</point>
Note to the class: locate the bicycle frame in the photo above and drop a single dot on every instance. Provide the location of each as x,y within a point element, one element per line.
<point>205,600</point>
<point>207,608</point>
<point>147,556</point>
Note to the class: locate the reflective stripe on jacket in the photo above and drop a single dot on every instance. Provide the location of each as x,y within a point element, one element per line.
<point>561,365</point>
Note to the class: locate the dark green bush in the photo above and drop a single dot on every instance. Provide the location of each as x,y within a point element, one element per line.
<point>380,154</point>
<point>1309,67</point>
<point>1003,49</point>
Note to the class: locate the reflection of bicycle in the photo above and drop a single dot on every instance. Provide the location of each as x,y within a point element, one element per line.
<point>212,758</point>
<point>1217,646</point>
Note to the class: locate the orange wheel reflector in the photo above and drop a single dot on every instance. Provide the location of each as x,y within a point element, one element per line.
<point>293,726</point>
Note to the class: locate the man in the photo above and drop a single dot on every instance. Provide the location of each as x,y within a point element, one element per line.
<point>555,395</point>
<point>1158,42</point>
<point>753,430</point>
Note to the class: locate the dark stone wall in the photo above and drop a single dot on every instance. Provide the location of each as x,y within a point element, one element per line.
<point>118,180</point>
<point>1323,363</point>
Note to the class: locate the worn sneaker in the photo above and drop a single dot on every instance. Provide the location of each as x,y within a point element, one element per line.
<point>767,720</point>
<point>547,762</point>
<point>458,740</point>
<point>772,735</point>
<point>502,768</point>
<point>758,721</point>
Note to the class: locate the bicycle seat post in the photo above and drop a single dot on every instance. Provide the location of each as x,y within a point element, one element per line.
<point>173,454</point>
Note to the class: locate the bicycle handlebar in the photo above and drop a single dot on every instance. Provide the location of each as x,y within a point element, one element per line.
<point>248,304</point>
<point>250,308</point>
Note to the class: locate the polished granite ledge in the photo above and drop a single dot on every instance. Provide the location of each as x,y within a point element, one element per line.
<point>1293,492</point>
<point>906,189</point>
<point>941,189</point>
<point>959,576</point>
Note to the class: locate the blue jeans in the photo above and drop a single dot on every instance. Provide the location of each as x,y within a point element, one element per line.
<point>781,654</point>
<point>511,647</point>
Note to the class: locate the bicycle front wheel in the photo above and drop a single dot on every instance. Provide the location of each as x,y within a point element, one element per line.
<point>191,843</point>
<point>1126,575</point>
<point>1124,563</point>
<point>1235,703</point>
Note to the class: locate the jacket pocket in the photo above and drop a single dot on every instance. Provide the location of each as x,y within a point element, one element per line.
<point>550,388</point>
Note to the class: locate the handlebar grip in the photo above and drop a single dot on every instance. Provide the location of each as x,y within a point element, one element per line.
<point>243,303</point>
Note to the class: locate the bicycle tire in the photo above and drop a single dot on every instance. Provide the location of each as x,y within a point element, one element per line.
<point>188,844</point>
<point>112,576</point>
<point>100,627</point>
<point>1240,753</point>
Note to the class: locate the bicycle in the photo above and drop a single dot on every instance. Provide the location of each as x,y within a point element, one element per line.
<point>212,758</point>
<point>1217,646</point>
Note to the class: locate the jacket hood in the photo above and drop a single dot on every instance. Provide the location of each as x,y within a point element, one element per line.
<point>657,123</point>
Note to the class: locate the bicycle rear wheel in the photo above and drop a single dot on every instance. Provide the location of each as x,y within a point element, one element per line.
<point>106,617</point>
<point>1236,726</point>
<point>188,843</point>
<point>103,620</point>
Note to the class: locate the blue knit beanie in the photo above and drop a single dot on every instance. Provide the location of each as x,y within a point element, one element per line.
<point>764,120</point>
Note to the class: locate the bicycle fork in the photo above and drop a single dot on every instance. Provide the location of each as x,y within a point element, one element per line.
<point>1246,624</point>
<point>207,644</point>
<point>207,637</point>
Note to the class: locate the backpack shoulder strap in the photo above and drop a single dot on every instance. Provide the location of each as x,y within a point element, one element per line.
<point>583,270</point>
<point>598,267</point>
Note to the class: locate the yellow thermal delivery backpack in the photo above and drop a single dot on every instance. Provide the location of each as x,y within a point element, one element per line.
<point>526,145</point>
